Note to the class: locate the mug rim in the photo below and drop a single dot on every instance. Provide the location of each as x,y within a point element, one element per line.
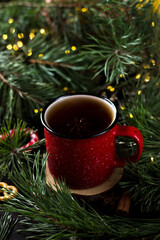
<point>42,117</point>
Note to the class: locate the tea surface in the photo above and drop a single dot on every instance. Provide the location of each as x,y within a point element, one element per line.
<point>79,116</point>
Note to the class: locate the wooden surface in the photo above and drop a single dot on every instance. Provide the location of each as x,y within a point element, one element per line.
<point>114,178</point>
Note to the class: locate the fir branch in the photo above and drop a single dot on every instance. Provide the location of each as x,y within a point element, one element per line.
<point>11,151</point>
<point>6,225</point>
<point>115,50</point>
<point>57,214</point>
<point>19,91</point>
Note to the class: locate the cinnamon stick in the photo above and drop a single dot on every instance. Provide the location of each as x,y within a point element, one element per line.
<point>124,204</point>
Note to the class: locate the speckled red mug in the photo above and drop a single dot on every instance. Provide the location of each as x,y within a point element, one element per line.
<point>87,162</point>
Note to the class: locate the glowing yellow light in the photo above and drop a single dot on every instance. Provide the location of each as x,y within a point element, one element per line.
<point>121,75</point>
<point>67,51</point>
<point>4,36</point>
<point>9,46</point>
<point>139,92</point>
<point>65,88</point>
<point>152,159</point>
<point>110,88</point>
<point>132,62</point>
<point>147,79</point>
<point>130,115</point>
<point>138,76</point>
<point>31,35</point>
<point>12,30</point>
<point>20,44</point>
<point>29,53</point>
<point>36,110</point>
<point>73,48</point>
<point>152,117</point>
<point>42,31</point>
<point>153,24</point>
<point>40,55</point>
<point>84,9</point>
<point>15,47</point>
<point>20,35</point>
<point>41,109</point>
<point>10,21</point>
<point>123,108</point>
<point>153,62</point>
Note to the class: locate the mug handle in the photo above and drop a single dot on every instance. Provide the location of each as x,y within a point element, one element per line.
<point>128,131</point>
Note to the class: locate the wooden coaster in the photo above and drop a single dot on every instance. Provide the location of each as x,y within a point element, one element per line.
<point>114,178</point>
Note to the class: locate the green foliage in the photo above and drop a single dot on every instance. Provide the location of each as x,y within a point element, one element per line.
<point>116,50</point>
<point>11,151</point>
<point>6,225</point>
<point>57,214</point>
<point>142,178</point>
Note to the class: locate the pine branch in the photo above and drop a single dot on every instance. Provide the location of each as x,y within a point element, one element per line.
<point>6,225</point>
<point>11,151</point>
<point>19,91</point>
<point>116,50</point>
<point>142,178</point>
<point>57,214</point>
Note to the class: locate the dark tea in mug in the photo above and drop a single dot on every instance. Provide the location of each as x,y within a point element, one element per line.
<point>79,116</point>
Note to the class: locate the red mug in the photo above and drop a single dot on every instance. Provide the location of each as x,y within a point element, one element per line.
<point>85,160</point>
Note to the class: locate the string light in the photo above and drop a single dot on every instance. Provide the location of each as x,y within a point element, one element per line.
<point>36,110</point>
<point>153,24</point>
<point>20,44</point>
<point>110,88</point>
<point>152,159</point>
<point>20,35</point>
<point>41,109</point>
<point>139,92</point>
<point>15,47</point>
<point>31,35</point>
<point>84,10</point>
<point>73,48</point>
<point>123,108</point>
<point>10,21</point>
<point>132,62</point>
<point>121,75</point>
<point>42,31</point>
<point>9,46</point>
<point>153,62</point>
<point>147,79</point>
<point>65,88</point>
<point>67,51</point>
<point>40,55</point>
<point>130,115</point>
<point>29,52</point>
<point>4,36</point>
<point>138,76</point>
